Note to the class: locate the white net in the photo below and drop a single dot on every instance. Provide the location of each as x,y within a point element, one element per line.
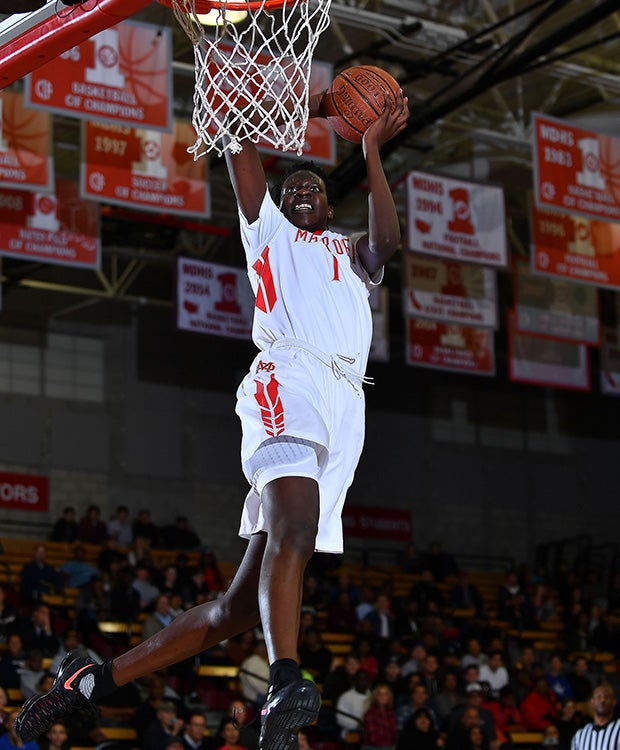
<point>252,78</point>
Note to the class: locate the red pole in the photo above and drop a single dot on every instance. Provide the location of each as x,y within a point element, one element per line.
<point>57,34</point>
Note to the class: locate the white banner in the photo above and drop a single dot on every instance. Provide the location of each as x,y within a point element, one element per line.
<point>215,299</point>
<point>456,220</point>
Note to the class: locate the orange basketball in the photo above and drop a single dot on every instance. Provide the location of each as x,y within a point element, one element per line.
<point>356,98</point>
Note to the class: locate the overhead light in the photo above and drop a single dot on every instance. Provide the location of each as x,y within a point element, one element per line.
<point>218,17</point>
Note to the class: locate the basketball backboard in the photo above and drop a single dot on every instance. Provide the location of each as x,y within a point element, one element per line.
<point>28,40</point>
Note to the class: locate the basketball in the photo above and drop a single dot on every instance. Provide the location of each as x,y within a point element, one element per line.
<point>356,98</point>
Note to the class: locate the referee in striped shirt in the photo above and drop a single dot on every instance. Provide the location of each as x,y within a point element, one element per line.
<point>604,732</point>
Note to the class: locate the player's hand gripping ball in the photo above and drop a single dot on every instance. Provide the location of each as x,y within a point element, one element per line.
<point>356,98</point>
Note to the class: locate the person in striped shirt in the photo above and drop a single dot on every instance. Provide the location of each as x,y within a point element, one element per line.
<point>603,733</point>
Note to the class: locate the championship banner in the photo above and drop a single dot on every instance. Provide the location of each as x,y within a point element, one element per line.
<point>380,309</point>
<point>549,362</point>
<point>440,346</point>
<point>575,248</point>
<point>456,220</point>
<point>452,292</point>
<point>555,308</point>
<point>145,169</point>
<point>610,363</point>
<point>214,299</point>
<point>121,75</point>
<point>23,492</point>
<point>25,145</point>
<point>57,228</point>
<point>376,523</point>
<point>575,170</point>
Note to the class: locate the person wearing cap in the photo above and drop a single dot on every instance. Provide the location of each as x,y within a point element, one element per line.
<point>469,714</point>
<point>163,727</point>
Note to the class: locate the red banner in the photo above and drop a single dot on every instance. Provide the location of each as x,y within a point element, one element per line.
<point>377,523</point>
<point>575,170</point>
<point>576,248</point>
<point>56,228</point>
<point>457,220</point>
<point>24,492</point>
<point>25,139</point>
<point>121,75</point>
<point>450,347</point>
<point>549,362</point>
<point>144,168</point>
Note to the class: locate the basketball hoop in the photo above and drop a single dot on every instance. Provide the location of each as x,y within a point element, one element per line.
<point>252,79</point>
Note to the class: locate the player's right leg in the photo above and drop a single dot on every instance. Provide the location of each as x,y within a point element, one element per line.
<point>80,682</point>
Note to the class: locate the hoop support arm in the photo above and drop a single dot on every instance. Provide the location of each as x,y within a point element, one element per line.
<point>57,34</point>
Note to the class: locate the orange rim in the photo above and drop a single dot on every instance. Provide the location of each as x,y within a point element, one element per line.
<point>204,6</point>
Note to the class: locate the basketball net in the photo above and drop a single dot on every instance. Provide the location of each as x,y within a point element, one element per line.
<point>252,79</point>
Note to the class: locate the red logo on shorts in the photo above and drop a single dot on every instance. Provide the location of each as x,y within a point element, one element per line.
<point>265,366</point>
<point>271,409</point>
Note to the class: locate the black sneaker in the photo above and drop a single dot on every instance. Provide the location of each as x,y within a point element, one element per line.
<point>286,711</point>
<point>41,711</point>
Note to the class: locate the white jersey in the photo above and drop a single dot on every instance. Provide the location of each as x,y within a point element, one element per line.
<point>606,737</point>
<point>308,285</point>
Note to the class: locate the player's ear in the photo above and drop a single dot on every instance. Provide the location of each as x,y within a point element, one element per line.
<point>330,212</point>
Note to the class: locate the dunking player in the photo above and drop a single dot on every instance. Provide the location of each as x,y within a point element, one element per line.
<point>302,411</point>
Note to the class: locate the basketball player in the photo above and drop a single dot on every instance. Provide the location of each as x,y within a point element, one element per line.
<point>302,412</point>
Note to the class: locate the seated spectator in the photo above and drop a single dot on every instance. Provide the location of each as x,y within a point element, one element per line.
<point>410,560</point>
<point>476,739</point>
<point>390,676</point>
<point>473,654</point>
<point>557,680</point>
<point>418,698</point>
<point>37,632</point>
<point>124,599</point>
<point>426,595</point>
<point>31,673</point>
<point>379,723</point>
<point>380,621</point>
<point>414,662</point>
<point>419,732</point>
<point>65,528</point>
<point>341,615</point>
<point>56,738</point>
<point>120,527</point>
<point>313,596</point>
<point>352,704</point>
<point>408,621</point>
<point>366,605</point>
<point>157,694</point>
<point>505,712</point>
<point>12,662</point>
<point>10,741</point>
<point>248,732</point>
<point>513,603</point>
<point>158,618</point>
<point>524,673</point>
<point>211,571</point>
<point>254,674</point>
<point>430,673</point>
<point>470,713</point>
<point>494,673</point>
<point>228,734</point>
<point>194,737</point>
<point>466,595</point>
<point>315,658</point>
<point>38,577</point>
<point>179,535</point>
<point>441,564</point>
<point>78,572</point>
<point>144,587</point>
<point>568,722</point>
<point>539,708</point>
<point>70,641</point>
<point>340,678</point>
<point>368,661</point>
<point>163,727</point>
<point>447,699</point>
<point>91,529</point>
<point>8,615</point>
<point>581,680</point>
<point>344,583</point>
<point>145,529</point>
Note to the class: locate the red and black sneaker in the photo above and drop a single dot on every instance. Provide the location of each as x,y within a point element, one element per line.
<point>41,711</point>
<point>286,711</point>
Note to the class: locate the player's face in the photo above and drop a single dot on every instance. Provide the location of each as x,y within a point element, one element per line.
<point>303,201</point>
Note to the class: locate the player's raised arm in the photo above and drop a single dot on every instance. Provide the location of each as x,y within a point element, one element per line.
<point>383,237</point>
<point>247,177</point>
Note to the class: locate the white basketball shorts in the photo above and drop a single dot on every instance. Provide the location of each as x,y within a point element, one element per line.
<point>291,396</point>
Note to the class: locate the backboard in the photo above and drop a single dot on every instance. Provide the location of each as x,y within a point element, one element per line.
<point>28,40</point>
